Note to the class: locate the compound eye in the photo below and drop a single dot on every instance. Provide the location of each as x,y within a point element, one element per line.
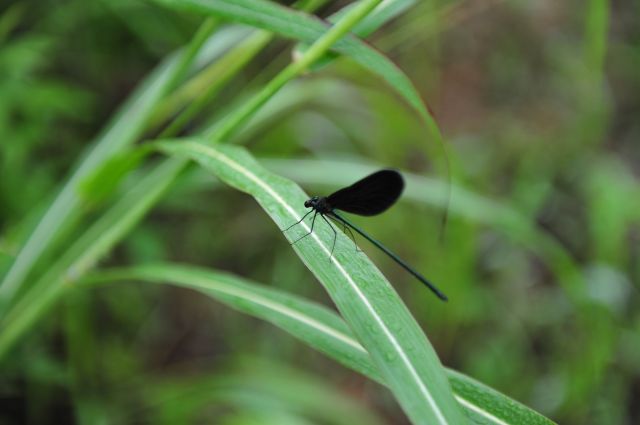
<point>307,203</point>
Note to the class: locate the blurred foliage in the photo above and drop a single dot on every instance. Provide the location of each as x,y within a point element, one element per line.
<point>539,104</point>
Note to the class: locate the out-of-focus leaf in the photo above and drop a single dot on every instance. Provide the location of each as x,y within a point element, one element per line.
<point>126,125</point>
<point>105,179</point>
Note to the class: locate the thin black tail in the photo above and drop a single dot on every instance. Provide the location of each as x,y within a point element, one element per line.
<point>393,256</point>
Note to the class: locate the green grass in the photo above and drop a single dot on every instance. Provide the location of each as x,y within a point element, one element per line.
<point>535,171</point>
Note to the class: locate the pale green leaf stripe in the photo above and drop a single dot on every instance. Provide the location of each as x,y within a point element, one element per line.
<point>372,308</point>
<point>319,327</point>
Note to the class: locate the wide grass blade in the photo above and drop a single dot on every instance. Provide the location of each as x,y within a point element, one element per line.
<point>397,345</point>
<point>319,327</point>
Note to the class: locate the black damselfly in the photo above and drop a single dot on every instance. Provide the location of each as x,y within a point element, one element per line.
<point>369,196</point>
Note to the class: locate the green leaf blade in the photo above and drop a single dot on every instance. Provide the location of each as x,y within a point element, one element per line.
<point>319,327</point>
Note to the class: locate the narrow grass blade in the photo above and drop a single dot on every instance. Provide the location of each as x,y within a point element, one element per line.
<point>382,14</point>
<point>365,298</point>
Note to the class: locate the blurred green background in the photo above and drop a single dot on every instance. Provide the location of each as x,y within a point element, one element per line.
<point>539,103</point>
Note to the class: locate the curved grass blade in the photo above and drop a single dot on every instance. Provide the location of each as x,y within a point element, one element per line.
<point>397,345</point>
<point>303,27</point>
<point>314,323</point>
<point>317,326</point>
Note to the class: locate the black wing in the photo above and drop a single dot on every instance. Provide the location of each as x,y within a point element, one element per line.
<point>369,196</point>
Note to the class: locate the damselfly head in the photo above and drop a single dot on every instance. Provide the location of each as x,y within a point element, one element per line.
<point>312,202</point>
